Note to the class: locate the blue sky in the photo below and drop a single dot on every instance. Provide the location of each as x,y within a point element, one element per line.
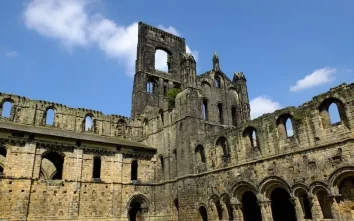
<point>81,52</point>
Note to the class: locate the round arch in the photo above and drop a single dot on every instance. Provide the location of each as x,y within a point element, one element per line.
<point>270,183</point>
<point>337,177</point>
<point>241,187</point>
<point>137,207</point>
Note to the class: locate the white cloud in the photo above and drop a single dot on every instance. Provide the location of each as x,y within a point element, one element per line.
<point>70,22</point>
<point>318,77</point>
<point>262,105</point>
<point>11,54</point>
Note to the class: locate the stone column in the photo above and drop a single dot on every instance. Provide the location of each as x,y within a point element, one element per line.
<point>335,207</point>
<point>237,212</point>
<point>315,208</point>
<point>266,210</point>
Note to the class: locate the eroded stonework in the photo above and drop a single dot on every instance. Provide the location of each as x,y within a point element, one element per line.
<point>194,155</point>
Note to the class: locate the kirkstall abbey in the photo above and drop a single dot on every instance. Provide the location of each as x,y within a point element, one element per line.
<point>188,152</point>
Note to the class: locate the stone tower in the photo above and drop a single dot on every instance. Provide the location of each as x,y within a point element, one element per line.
<point>151,85</point>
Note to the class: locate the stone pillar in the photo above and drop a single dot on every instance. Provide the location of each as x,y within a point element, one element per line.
<point>315,208</point>
<point>237,212</point>
<point>335,207</point>
<point>266,210</point>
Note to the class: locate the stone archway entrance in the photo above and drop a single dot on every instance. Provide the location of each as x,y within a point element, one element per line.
<point>250,207</point>
<point>138,208</point>
<point>203,213</point>
<point>282,208</point>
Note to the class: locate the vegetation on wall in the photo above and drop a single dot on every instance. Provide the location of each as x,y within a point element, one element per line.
<point>171,96</point>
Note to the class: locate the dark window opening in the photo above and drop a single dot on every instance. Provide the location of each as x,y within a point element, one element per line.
<point>233,115</point>
<point>165,91</point>
<point>6,109</point>
<point>282,208</point>
<point>3,153</point>
<point>250,207</point>
<point>49,116</point>
<point>203,213</point>
<point>221,118</point>
<point>161,117</point>
<point>52,166</point>
<point>96,173</point>
<point>134,170</point>
<point>285,126</point>
<point>162,163</point>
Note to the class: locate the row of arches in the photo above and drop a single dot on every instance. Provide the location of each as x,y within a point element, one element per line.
<point>48,119</point>
<point>52,165</point>
<point>285,127</point>
<point>275,200</point>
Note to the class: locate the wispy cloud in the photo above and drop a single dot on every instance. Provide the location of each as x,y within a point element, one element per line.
<point>262,105</point>
<point>316,78</point>
<point>11,54</point>
<point>70,22</point>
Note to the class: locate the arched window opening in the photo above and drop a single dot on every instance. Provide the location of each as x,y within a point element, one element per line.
<point>162,60</point>
<point>233,115</point>
<point>6,109</point>
<point>251,138</point>
<point>227,208</point>
<point>203,213</point>
<point>138,208</point>
<point>88,123</point>
<point>282,208</point>
<point>217,82</point>
<point>96,173</point>
<point>285,126</point>
<point>250,208</point>
<point>346,189</point>
<point>205,109</point>
<point>52,166</point>
<point>289,128</point>
<point>220,113</point>
<point>49,116</point>
<point>305,205</point>
<point>134,170</point>
<point>334,114</point>
<point>3,153</point>
<point>199,150</point>
<point>175,202</point>
<point>325,204</point>
<point>222,142</point>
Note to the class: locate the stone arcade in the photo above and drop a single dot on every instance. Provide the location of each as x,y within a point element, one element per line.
<point>191,155</point>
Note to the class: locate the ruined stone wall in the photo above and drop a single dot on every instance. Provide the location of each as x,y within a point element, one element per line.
<point>33,112</point>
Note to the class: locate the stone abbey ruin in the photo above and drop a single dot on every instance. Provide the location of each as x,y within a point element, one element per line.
<point>189,151</point>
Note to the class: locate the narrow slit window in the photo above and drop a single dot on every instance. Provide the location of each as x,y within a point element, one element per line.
<point>221,119</point>
<point>134,170</point>
<point>205,109</point>
<point>233,116</point>
<point>96,173</point>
